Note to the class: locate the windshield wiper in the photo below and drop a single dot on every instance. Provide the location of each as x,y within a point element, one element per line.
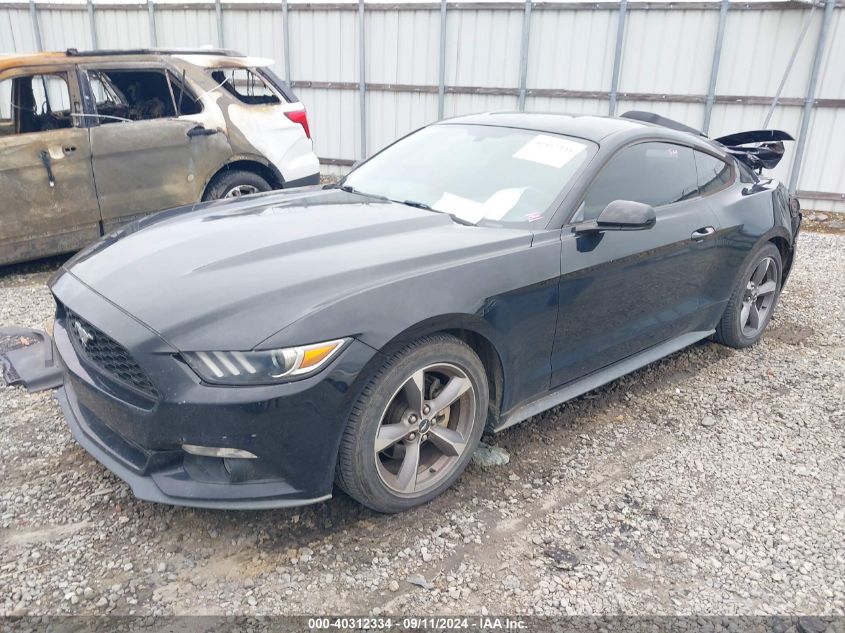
<point>418,205</point>
<point>427,207</point>
<point>351,189</point>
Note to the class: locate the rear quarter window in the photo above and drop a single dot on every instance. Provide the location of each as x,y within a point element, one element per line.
<point>714,174</point>
<point>746,174</point>
<point>282,86</point>
<point>248,86</point>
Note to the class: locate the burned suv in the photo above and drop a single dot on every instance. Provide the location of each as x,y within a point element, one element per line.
<point>92,140</point>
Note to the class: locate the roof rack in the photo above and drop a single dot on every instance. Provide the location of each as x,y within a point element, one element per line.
<point>72,52</point>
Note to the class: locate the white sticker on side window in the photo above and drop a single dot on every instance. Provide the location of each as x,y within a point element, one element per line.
<point>549,150</point>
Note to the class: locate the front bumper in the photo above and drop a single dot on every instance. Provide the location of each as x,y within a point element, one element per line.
<point>294,429</point>
<point>183,489</point>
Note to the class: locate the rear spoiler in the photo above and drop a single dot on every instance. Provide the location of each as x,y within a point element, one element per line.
<point>766,147</point>
<point>758,149</point>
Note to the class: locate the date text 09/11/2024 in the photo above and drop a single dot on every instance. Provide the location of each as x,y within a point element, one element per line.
<point>482,623</point>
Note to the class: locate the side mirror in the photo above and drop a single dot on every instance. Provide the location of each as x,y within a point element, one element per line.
<point>621,215</point>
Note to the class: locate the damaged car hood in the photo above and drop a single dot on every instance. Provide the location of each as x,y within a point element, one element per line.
<point>228,275</point>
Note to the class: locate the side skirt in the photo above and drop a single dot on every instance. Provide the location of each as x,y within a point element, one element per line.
<point>598,378</point>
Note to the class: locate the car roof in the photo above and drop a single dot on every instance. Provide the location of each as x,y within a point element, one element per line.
<point>614,131</point>
<point>589,127</point>
<point>198,57</point>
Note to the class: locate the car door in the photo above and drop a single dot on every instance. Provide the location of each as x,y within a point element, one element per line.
<point>146,155</point>
<point>624,291</point>
<point>738,208</point>
<point>49,204</point>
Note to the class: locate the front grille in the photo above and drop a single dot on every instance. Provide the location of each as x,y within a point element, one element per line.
<point>108,355</point>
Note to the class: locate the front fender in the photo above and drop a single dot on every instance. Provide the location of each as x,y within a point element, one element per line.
<point>510,298</point>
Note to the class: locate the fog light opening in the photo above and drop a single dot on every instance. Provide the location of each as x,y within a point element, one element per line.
<point>239,470</point>
<point>216,451</point>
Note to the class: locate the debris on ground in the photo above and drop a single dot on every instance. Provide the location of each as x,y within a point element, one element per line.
<point>26,358</point>
<point>419,581</point>
<point>487,456</point>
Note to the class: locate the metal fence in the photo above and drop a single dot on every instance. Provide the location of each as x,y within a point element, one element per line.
<point>370,72</point>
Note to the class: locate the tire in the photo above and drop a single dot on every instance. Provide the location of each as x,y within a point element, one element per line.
<point>738,328</point>
<point>388,479</point>
<point>227,184</point>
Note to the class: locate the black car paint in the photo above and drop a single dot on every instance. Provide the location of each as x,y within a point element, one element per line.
<point>317,265</point>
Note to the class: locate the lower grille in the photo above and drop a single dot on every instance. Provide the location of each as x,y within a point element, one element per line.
<point>108,355</point>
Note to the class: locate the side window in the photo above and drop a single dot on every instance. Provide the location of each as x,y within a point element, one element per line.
<point>714,174</point>
<point>132,95</point>
<point>111,105</point>
<point>651,173</point>
<point>34,103</point>
<point>247,85</point>
<point>186,102</point>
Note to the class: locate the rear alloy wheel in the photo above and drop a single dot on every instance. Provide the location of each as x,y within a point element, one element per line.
<point>415,426</point>
<point>235,184</point>
<point>241,190</point>
<point>759,297</point>
<point>753,301</point>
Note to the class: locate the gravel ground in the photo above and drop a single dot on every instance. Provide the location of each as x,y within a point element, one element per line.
<point>712,482</point>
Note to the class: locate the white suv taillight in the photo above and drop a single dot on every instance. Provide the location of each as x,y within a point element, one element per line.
<point>299,116</point>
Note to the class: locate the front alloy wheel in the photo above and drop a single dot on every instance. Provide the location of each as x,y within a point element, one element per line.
<point>424,429</point>
<point>415,426</point>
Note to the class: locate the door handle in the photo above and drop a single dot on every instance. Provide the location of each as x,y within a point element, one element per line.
<point>701,233</point>
<point>200,130</point>
<point>45,160</point>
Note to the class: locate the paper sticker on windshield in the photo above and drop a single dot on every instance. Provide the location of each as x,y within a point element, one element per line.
<point>464,208</point>
<point>502,202</point>
<point>549,150</point>
<point>495,207</point>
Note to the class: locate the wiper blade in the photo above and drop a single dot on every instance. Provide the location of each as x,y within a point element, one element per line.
<point>351,189</point>
<point>427,207</point>
<point>418,205</point>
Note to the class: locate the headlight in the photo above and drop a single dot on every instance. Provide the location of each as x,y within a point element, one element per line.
<point>262,368</point>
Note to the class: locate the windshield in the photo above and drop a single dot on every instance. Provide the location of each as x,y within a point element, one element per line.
<point>475,172</point>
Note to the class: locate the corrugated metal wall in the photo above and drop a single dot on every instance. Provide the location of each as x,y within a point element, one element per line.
<point>667,53</point>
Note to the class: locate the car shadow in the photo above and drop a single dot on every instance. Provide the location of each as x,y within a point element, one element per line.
<point>45,265</point>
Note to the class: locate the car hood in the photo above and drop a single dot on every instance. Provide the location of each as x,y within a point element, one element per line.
<point>230,274</point>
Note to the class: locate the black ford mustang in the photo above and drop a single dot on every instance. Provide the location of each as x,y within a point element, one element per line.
<point>253,353</point>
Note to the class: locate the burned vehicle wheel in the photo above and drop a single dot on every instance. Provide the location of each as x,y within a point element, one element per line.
<point>415,426</point>
<point>753,301</point>
<point>234,184</point>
